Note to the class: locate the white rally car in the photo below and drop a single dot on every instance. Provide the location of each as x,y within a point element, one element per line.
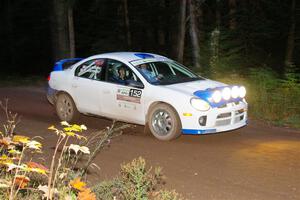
<point>146,89</point>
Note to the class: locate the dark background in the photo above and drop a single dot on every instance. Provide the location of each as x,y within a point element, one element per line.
<point>252,33</point>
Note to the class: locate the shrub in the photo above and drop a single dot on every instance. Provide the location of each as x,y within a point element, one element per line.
<point>135,181</point>
<point>270,97</point>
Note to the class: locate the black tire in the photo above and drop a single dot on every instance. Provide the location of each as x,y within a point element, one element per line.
<point>163,122</point>
<point>65,108</point>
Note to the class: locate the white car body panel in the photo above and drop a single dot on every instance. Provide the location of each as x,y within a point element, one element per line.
<point>101,98</point>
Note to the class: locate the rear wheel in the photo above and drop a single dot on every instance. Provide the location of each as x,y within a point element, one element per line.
<point>163,122</point>
<point>65,108</point>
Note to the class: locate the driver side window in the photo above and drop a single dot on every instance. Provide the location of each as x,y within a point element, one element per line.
<point>119,73</point>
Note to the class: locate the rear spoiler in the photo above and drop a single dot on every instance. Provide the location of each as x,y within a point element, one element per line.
<point>65,63</point>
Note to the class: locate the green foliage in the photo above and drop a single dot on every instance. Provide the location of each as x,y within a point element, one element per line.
<point>270,97</point>
<point>135,181</point>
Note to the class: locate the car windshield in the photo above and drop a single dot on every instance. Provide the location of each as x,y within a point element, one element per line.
<point>166,72</point>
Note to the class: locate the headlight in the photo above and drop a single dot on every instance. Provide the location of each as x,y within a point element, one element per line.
<point>200,104</point>
<point>242,91</point>
<point>217,96</point>
<point>226,93</point>
<point>235,92</point>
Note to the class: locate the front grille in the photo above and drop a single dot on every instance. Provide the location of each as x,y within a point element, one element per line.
<point>223,122</point>
<point>224,115</point>
<point>238,119</point>
<point>228,118</point>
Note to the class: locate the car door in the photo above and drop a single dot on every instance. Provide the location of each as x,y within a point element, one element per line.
<point>122,98</point>
<point>86,86</point>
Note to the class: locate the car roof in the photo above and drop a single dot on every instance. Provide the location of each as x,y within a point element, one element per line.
<point>128,56</point>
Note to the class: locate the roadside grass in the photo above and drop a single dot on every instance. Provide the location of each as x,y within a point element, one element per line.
<point>271,98</point>
<point>16,80</point>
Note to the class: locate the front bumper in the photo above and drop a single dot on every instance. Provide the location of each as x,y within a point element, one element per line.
<point>228,117</point>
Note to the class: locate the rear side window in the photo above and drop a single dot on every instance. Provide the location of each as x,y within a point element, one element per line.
<point>92,69</point>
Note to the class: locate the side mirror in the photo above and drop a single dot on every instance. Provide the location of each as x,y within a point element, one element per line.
<point>135,84</point>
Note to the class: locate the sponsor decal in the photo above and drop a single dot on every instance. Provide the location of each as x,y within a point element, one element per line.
<point>146,60</point>
<point>130,95</point>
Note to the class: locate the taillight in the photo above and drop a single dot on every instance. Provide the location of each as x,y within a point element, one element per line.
<point>48,78</point>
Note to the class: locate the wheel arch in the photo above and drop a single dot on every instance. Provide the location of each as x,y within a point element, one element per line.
<point>57,93</point>
<point>153,104</point>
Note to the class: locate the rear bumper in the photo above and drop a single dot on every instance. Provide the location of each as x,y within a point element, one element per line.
<point>51,95</point>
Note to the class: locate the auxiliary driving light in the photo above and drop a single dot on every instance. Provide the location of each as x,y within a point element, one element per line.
<point>226,93</point>
<point>217,96</point>
<point>235,92</point>
<point>242,91</point>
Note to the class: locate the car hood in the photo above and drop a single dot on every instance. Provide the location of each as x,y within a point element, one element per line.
<point>190,88</point>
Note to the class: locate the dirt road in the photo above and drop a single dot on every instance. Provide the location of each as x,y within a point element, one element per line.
<point>256,162</point>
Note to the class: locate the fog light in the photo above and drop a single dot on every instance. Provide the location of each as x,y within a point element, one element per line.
<point>202,120</point>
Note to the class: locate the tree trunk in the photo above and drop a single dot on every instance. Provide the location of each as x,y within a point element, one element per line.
<point>160,30</point>
<point>218,15</point>
<point>181,31</point>
<point>194,35</point>
<point>291,36</point>
<point>10,33</point>
<point>232,11</point>
<point>60,36</point>
<point>127,24</point>
<point>71,31</point>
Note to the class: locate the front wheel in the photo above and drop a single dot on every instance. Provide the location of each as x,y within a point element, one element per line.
<point>65,108</point>
<point>163,122</point>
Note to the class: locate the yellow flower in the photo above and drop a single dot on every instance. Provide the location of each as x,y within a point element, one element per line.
<point>21,139</point>
<point>5,159</point>
<point>13,151</point>
<point>77,184</point>
<point>36,167</point>
<point>69,133</point>
<point>75,128</point>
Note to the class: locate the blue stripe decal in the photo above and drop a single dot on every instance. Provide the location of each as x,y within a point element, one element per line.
<point>206,95</point>
<point>198,131</point>
<point>144,55</point>
<point>59,64</point>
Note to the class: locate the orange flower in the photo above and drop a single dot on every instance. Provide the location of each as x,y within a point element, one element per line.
<point>36,167</point>
<point>22,181</point>
<point>5,141</point>
<point>78,184</point>
<point>86,194</point>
